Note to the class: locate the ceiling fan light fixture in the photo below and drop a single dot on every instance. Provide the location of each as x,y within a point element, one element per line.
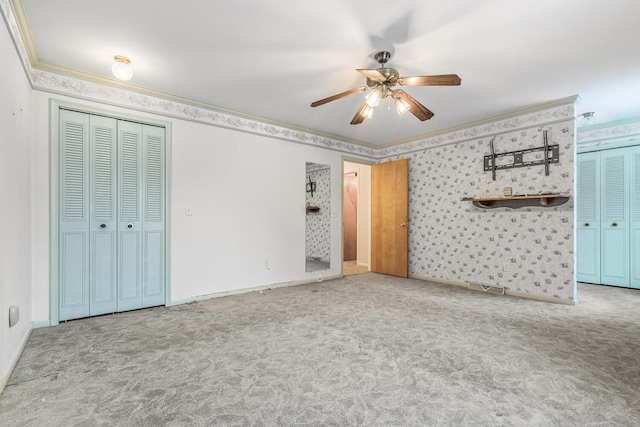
<point>121,68</point>
<point>375,96</point>
<point>367,112</point>
<point>402,106</point>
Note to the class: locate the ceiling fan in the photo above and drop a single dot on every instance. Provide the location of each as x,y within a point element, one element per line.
<point>382,80</point>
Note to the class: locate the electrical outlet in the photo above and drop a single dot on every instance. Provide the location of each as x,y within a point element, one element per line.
<point>506,267</point>
<point>266,265</point>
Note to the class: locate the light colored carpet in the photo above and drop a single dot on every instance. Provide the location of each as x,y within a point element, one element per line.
<point>367,350</point>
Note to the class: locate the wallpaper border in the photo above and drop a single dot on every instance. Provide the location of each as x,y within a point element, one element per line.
<point>609,133</point>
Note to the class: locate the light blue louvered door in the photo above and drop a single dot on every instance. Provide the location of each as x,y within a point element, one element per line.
<point>73,240</point>
<point>614,250</point>
<point>634,163</point>
<point>102,213</point>
<point>608,184</point>
<point>588,218</point>
<point>141,216</point>
<point>111,219</point>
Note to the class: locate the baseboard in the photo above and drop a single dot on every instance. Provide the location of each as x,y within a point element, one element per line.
<point>41,324</point>
<point>506,292</point>
<point>539,298</point>
<point>16,357</point>
<point>254,289</point>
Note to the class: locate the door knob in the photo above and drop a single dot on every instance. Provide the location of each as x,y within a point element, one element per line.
<point>404,224</point>
<point>615,224</point>
<point>129,225</point>
<point>103,225</point>
<point>586,224</point>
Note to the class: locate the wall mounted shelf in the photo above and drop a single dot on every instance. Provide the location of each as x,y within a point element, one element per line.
<point>515,202</point>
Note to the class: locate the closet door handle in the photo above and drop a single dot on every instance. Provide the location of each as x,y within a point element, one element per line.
<point>615,224</point>
<point>129,225</point>
<point>586,224</point>
<point>103,225</point>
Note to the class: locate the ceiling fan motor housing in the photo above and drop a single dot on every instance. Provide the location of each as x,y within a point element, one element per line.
<point>382,57</point>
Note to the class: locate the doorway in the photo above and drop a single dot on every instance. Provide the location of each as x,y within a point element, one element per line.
<point>356,218</point>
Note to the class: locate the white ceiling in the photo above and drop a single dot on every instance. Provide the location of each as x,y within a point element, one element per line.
<point>272,58</point>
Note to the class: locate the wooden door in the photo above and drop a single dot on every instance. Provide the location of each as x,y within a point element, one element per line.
<point>390,217</point>
<point>588,218</point>
<point>350,216</point>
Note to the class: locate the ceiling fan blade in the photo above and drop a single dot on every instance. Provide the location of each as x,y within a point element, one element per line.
<point>440,80</point>
<point>417,109</point>
<point>359,118</point>
<point>339,96</point>
<point>374,75</point>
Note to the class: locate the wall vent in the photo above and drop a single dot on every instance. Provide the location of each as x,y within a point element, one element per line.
<point>491,289</point>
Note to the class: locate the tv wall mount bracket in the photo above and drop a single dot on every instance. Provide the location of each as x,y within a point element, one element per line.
<point>551,154</point>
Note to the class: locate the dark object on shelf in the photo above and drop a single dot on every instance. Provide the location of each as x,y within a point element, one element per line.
<point>515,202</point>
<point>311,186</point>
<point>551,155</point>
<point>313,209</point>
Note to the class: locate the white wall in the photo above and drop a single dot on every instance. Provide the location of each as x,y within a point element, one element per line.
<point>15,203</point>
<point>247,194</point>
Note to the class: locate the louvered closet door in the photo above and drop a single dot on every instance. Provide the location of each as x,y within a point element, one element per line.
<point>153,243</point>
<point>141,218</point>
<point>634,154</point>
<point>73,240</point>
<point>102,209</point>
<point>112,225</point>
<point>130,216</point>
<point>615,217</point>
<point>588,218</point>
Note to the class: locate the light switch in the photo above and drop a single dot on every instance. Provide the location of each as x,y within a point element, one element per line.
<point>187,210</point>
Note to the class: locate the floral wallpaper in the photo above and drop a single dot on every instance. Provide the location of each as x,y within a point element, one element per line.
<point>318,224</point>
<point>527,250</point>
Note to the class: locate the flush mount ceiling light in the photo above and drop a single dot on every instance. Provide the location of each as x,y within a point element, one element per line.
<point>381,81</point>
<point>121,68</point>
